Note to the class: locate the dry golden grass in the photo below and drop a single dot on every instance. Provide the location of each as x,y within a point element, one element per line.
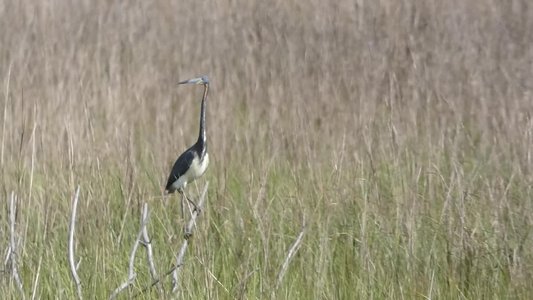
<point>401,132</point>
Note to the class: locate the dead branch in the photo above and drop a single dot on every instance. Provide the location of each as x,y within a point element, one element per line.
<point>73,266</point>
<point>292,251</point>
<point>188,233</point>
<point>147,243</point>
<point>12,252</point>
<point>131,272</point>
<point>155,282</point>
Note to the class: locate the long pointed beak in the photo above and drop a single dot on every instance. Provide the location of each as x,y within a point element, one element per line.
<point>198,80</point>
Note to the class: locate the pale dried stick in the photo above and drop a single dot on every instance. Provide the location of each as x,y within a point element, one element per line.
<point>292,251</point>
<point>188,233</point>
<point>12,254</point>
<point>131,270</point>
<point>71,260</point>
<point>146,242</point>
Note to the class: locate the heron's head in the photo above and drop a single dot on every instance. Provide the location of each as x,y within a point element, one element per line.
<point>199,80</point>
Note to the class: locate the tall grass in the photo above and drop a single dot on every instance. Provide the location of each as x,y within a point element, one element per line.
<point>400,132</point>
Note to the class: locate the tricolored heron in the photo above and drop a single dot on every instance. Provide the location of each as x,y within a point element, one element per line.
<point>192,163</point>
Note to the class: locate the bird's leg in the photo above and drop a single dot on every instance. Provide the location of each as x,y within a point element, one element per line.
<point>182,204</point>
<point>187,233</point>
<point>196,208</point>
<point>183,195</point>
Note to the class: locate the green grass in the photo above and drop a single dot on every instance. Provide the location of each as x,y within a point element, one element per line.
<point>396,135</point>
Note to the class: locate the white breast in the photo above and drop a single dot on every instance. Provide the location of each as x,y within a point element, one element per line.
<point>197,169</point>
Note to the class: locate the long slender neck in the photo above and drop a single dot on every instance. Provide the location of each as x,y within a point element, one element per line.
<point>202,139</point>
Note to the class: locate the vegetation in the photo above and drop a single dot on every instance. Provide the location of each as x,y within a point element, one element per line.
<point>397,135</point>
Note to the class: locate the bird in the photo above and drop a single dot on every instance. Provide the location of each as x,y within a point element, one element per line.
<point>192,163</point>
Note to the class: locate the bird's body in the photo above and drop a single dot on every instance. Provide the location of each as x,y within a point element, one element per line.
<point>192,163</point>
<point>183,173</point>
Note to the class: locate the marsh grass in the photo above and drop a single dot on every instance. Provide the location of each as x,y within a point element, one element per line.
<point>400,132</point>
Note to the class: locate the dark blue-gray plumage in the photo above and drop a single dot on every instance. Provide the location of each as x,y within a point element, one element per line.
<point>192,163</point>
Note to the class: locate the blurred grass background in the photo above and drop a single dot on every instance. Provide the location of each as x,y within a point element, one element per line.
<point>400,132</point>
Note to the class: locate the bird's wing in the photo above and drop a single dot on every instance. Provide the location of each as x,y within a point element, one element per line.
<point>181,166</point>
